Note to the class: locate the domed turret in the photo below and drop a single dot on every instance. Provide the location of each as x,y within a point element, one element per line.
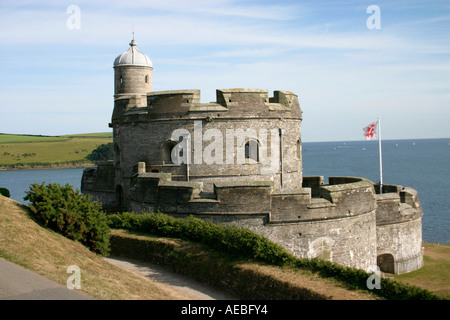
<point>132,72</point>
<point>133,57</point>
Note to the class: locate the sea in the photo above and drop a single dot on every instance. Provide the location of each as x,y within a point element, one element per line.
<point>422,164</point>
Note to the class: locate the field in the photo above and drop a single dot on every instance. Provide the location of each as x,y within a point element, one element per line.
<point>40,151</point>
<point>435,274</point>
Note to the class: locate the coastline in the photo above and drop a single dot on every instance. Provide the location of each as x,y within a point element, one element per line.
<point>48,167</point>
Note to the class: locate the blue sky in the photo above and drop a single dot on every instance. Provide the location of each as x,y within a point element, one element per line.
<point>56,80</point>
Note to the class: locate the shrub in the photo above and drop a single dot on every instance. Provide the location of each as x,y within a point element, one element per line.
<point>102,152</point>
<point>71,213</point>
<point>5,192</point>
<point>230,239</point>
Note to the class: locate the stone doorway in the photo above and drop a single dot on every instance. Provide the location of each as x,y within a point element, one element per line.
<point>386,263</point>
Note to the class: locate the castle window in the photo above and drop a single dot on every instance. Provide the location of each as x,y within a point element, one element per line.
<point>117,155</point>
<point>299,149</point>
<point>146,79</point>
<point>121,80</point>
<point>252,151</point>
<point>119,196</point>
<point>168,150</point>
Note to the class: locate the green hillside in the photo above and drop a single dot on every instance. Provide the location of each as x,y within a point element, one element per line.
<point>48,151</point>
<point>26,243</point>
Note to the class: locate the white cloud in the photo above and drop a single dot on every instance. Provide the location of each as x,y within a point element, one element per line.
<point>323,52</point>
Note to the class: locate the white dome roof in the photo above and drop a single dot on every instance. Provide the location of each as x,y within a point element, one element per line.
<point>133,57</point>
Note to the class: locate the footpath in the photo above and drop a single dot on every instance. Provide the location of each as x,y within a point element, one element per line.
<point>18,283</point>
<point>185,287</point>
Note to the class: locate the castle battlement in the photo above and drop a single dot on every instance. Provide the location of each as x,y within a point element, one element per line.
<point>345,197</point>
<point>229,103</point>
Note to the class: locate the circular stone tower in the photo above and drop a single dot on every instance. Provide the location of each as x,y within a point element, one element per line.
<point>133,74</point>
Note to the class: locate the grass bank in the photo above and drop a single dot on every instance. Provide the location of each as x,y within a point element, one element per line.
<point>41,250</point>
<point>28,151</point>
<point>26,243</point>
<point>435,274</point>
<point>242,277</point>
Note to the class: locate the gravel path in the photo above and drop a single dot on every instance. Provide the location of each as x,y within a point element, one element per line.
<point>183,286</point>
<point>18,283</point>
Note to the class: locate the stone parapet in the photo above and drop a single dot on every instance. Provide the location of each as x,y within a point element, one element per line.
<point>230,103</point>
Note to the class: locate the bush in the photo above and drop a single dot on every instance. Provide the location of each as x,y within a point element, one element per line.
<point>74,215</point>
<point>102,153</point>
<point>5,192</point>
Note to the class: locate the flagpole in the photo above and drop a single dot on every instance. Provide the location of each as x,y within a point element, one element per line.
<point>381,162</point>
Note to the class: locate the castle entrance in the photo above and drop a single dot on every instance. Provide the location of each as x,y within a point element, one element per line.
<point>386,263</point>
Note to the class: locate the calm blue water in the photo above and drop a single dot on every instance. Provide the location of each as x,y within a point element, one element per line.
<point>423,165</point>
<point>17,182</point>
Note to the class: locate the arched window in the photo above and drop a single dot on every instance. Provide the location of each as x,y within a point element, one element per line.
<point>252,150</point>
<point>146,79</point>
<point>119,196</point>
<point>168,151</point>
<point>299,149</point>
<point>117,155</point>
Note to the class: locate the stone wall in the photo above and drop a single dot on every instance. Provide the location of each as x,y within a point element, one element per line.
<point>346,222</point>
<point>132,80</point>
<point>399,229</point>
<point>401,242</point>
<point>99,183</point>
<point>146,134</point>
<point>341,228</point>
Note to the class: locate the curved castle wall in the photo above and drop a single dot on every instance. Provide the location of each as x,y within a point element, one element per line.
<point>213,137</point>
<point>340,227</point>
<point>399,230</point>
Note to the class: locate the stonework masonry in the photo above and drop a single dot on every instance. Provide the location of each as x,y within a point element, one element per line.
<point>237,161</point>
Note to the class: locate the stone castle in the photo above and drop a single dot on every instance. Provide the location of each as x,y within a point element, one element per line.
<point>238,161</point>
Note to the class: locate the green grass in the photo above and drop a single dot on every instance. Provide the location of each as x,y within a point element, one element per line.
<point>38,151</point>
<point>16,138</point>
<point>435,274</point>
<point>101,135</point>
<point>25,242</point>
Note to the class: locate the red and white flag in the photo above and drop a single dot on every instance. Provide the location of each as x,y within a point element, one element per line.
<point>370,131</point>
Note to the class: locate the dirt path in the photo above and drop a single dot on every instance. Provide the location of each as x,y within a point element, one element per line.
<point>18,283</point>
<point>181,286</point>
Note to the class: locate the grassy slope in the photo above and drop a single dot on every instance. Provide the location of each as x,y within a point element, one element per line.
<point>435,274</point>
<point>41,151</point>
<point>24,242</point>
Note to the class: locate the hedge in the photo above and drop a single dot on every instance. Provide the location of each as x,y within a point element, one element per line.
<point>230,239</point>
<point>241,241</point>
